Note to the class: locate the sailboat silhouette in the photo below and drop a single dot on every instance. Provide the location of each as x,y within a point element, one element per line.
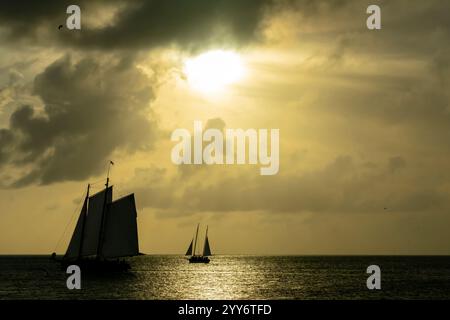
<point>191,251</point>
<point>106,231</point>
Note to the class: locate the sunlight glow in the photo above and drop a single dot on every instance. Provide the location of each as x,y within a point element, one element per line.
<point>214,70</point>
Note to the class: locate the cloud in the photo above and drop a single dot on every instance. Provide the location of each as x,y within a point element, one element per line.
<point>194,24</point>
<point>138,24</point>
<point>92,107</point>
<point>362,91</point>
<point>215,123</point>
<point>344,185</point>
<point>94,102</point>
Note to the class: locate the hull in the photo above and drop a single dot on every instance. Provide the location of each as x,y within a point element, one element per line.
<point>198,259</point>
<point>98,266</point>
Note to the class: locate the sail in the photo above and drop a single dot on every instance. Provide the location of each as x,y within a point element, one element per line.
<point>189,250</point>
<point>94,220</point>
<point>206,248</point>
<point>195,240</point>
<point>73,250</point>
<point>120,233</point>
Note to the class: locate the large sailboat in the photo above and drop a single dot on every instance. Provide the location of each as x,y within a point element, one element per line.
<point>191,251</point>
<point>105,232</point>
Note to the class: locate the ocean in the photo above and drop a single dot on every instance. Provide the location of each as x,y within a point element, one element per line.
<point>233,277</point>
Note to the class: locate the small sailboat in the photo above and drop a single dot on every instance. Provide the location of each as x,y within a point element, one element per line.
<point>105,232</point>
<point>203,258</point>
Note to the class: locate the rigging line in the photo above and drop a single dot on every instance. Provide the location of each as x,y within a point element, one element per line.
<point>70,221</point>
<point>97,187</point>
<point>97,182</point>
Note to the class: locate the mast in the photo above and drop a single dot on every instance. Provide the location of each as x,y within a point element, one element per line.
<point>102,227</point>
<point>84,221</point>
<point>195,242</point>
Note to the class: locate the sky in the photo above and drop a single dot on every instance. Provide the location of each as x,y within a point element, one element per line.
<point>364,120</point>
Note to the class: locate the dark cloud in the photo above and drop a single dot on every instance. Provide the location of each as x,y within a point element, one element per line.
<point>6,140</point>
<point>137,24</point>
<point>342,186</point>
<point>188,170</point>
<point>196,24</point>
<point>91,108</point>
<point>188,23</point>
<point>215,123</point>
<point>22,18</point>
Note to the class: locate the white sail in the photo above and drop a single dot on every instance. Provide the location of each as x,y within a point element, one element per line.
<point>120,229</point>
<point>189,250</point>
<point>93,222</point>
<point>206,248</point>
<point>73,250</point>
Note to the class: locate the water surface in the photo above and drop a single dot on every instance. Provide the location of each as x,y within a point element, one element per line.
<point>233,277</point>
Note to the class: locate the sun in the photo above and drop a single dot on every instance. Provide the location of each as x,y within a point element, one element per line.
<point>212,71</point>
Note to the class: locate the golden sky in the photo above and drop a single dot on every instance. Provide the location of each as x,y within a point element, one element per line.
<point>364,119</point>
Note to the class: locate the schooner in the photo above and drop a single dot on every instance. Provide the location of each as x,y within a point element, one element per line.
<point>106,231</point>
<point>191,251</point>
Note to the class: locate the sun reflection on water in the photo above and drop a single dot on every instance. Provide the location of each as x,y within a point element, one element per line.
<point>231,277</point>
